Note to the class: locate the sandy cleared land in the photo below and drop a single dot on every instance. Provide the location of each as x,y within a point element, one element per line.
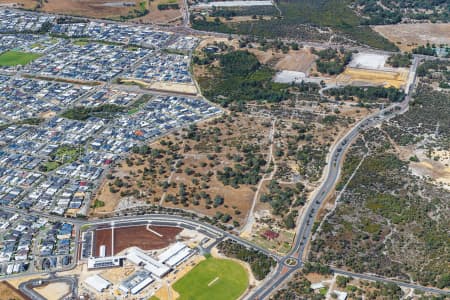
<point>184,88</point>
<point>411,35</point>
<point>7,291</point>
<point>355,76</point>
<point>300,61</point>
<point>54,291</point>
<point>174,87</point>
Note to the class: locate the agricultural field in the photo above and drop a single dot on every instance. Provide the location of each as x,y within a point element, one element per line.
<point>15,58</point>
<point>213,278</point>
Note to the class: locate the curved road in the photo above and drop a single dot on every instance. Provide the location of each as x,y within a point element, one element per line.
<point>332,171</point>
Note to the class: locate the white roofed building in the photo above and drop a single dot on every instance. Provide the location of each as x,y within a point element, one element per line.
<point>98,283</point>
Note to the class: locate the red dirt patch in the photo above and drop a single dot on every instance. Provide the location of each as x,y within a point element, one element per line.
<point>139,236</point>
<point>134,236</point>
<point>102,237</point>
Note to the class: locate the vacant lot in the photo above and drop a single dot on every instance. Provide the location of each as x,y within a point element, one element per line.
<point>300,61</point>
<point>103,237</point>
<point>219,279</point>
<point>135,236</point>
<point>408,36</point>
<point>14,58</point>
<point>53,291</point>
<point>140,236</point>
<point>7,291</point>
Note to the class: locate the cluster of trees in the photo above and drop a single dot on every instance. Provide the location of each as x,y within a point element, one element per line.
<point>29,121</point>
<point>242,78</point>
<point>166,6</point>
<point>316,268</point>
<point>299,287</point>
<point>367,94</point>
<point>425,50</point>
<point>200,22</point>
<point>260,263</point>
<point>331,61</point>
<point>82,113</point>
<point>281,198</point>
<point>392,12</point>
<point>400,60</point>
<point>247,171</point>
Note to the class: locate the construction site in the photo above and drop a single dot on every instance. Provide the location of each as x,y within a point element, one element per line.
<point>368,69</point>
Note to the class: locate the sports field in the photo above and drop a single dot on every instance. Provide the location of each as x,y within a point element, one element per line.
<point>218,279</point>
<point>14,58</point>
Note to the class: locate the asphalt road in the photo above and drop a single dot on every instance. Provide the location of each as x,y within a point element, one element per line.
<point>27,287</point>
<point>332,171</point>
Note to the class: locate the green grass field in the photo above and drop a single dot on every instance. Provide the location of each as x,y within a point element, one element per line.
<point>14,58</point>
<point>218,279</point>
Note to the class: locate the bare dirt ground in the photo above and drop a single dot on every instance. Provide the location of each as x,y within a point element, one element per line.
<point>54,291</point>
<point>139,236</point>
<point>135,236</point>
<point>7,291</point>
<point>355,76</point>
<point>408,36</point>
<point>300,61</point>
<point>103,237</point>
<point>434,164</point>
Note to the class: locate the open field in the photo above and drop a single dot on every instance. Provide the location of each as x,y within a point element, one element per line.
<point>14,58</point>
<point>408,36</point>
<point>300,61</point>
<point>219,279</point>
<point>54,291</point>
<point>7,291</point>
<point>135,236</point>
<point>355,76</point>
